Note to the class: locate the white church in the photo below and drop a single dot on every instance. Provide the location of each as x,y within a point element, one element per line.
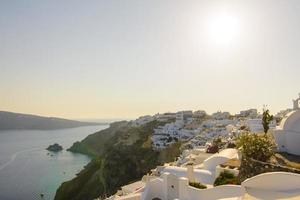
<point>287,135</point>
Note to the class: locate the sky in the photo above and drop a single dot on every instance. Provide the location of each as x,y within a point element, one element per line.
<point>124,59</point>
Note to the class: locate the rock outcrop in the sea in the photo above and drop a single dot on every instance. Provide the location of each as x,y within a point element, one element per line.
<point>55,147</point>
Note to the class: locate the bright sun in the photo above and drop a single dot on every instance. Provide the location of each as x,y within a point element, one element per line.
<point>224,29</point>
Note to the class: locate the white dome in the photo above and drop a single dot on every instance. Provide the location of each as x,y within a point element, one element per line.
<point>287,135</point>
<point>291,122</point>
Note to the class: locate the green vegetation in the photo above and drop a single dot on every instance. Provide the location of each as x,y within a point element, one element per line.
<point>230,145</point>
<point>226,178</point>
<point>267,118</point>
<point>217,142</point>
<point>255,146</point>
<point>216,145</point>
<point>122,154</point>
<point>197,185</point>
<point>257,150</point>
<point>94,144</point>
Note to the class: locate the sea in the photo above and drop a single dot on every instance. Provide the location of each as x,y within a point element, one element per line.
<point>29,172</point>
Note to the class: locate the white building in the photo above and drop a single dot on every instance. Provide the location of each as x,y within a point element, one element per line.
<point>269,186</point>
<point>255,125</point>
<point>287,135</point>
<point>170,186</point>
<point>250,113</point>
<point>199,114</point>
<point>142,120</point>
<point>174,184</point>
<point>183,117</point>
<point>221,115</point>
<point>165,117</point>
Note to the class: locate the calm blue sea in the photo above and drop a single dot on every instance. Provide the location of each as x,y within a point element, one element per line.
<point>26,168</point>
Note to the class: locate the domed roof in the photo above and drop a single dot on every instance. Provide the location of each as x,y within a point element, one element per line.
<point>291,122</point>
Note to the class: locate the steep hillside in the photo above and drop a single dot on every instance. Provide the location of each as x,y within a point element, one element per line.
<point>94,144</point>
<point>9,120</point>
<point>122,154</point>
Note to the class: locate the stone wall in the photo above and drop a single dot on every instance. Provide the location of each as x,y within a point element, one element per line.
<point>251,167</point>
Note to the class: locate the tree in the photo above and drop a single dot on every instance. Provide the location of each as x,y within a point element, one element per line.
<point>267,118</point>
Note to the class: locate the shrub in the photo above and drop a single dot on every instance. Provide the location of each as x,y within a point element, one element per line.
<point>225,178</point>
<point>212,149</point>
<point>230,145</point>
<point>197,185</point>
<point>258,147</point>
<point>217,142</point>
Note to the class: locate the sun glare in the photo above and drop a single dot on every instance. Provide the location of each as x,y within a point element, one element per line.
<point>223,29</point>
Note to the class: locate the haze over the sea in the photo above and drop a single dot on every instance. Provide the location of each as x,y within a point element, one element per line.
<point>123,59</point>
<point>27,169</point>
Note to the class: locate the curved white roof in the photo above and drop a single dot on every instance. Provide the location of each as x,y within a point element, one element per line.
<point>291,122</point>
<point>227,153</point>
<point>203,176</point>
<point>273,185</point>
<point>274,181</point>
<point>219,158</point>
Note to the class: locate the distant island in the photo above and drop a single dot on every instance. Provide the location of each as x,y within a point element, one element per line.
<point>55,147</point>
<point>10,120</point>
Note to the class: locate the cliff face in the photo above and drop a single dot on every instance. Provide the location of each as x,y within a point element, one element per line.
<point>122,154</point>
<point>95,144</point>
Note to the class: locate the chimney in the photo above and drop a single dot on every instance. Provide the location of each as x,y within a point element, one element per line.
<point>190,171</point>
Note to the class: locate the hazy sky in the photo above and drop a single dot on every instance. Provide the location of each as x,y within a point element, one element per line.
<point>123,59</point>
